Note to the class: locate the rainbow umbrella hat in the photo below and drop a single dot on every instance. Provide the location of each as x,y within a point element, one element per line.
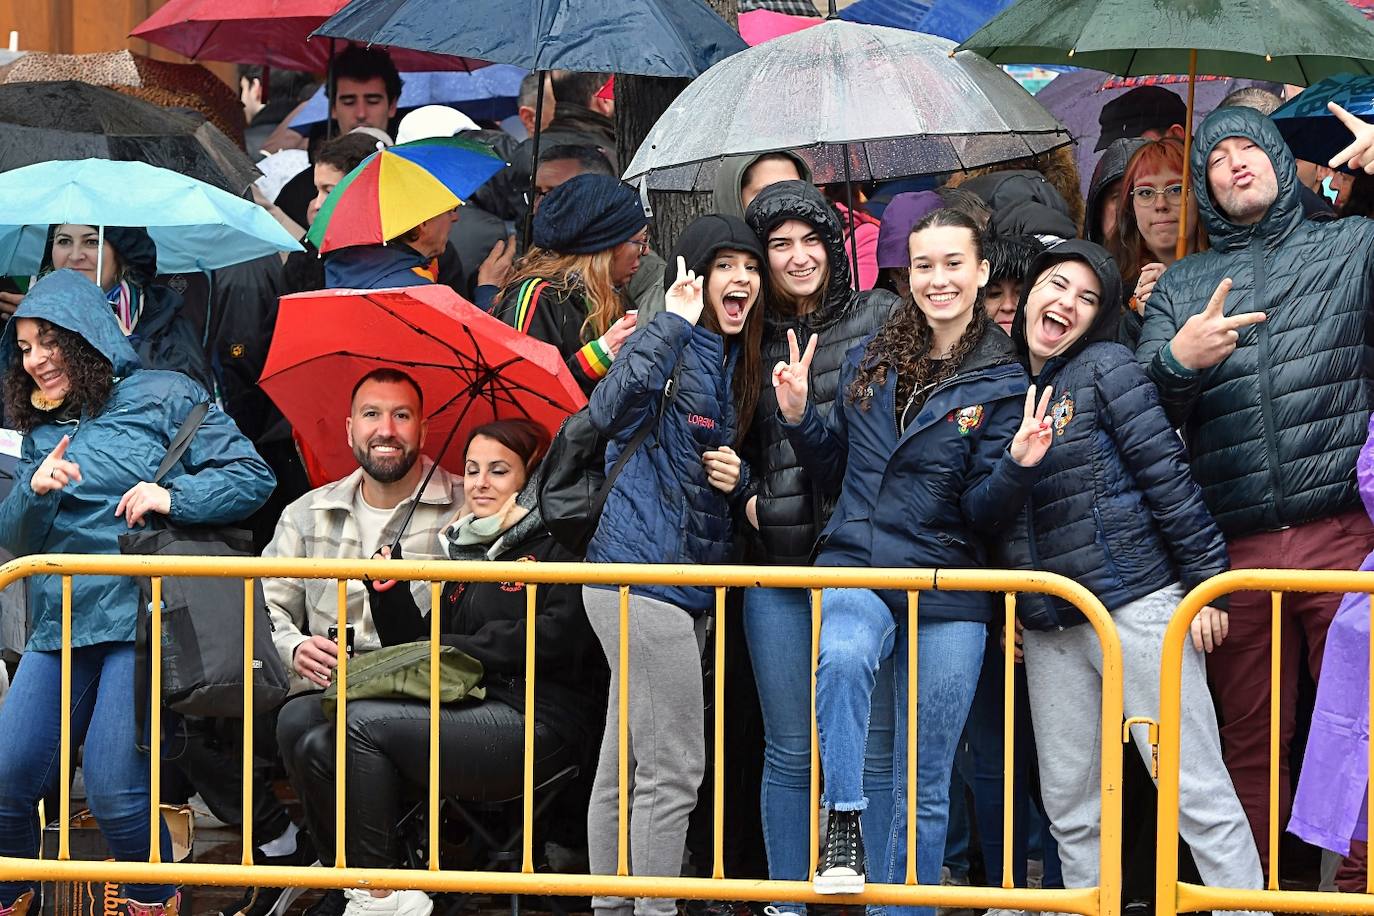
<point>395,189</point>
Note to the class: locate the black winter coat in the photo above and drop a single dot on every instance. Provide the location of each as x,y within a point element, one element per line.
<point>924,496</point>
<point>791,509</point>
<point>538,308</point>
<point>487,621</point>
<point>1275,429</point>
<point>1115,508</point>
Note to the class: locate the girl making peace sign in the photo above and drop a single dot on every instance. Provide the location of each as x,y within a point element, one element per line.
<point>930,447</point>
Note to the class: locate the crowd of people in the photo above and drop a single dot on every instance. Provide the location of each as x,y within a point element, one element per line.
<point>991,371</point>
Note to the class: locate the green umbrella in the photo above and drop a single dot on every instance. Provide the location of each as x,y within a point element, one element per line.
<point>1286,41</point>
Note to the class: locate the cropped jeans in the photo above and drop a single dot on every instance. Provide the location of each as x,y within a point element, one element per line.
<point>858,633</point>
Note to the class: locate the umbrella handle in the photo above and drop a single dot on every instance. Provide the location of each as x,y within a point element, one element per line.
<point>534,159</point>
<point>1181,247</point>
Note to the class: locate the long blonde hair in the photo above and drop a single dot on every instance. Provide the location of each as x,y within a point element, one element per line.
<point>589,273</point>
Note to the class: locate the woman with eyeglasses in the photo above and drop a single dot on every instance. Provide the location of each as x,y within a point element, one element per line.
<point>589,234</point>
<point>1146,239</point>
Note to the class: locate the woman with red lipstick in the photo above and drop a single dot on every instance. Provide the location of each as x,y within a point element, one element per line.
<point>1146,239</point>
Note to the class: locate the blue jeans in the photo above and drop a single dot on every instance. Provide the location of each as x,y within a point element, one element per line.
<point>777,627</point>
<point>858,632</point>
<point>115,771</point>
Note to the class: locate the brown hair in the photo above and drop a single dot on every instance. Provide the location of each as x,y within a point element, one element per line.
<point>903,343</point>
<point>587,273</point>
<point>526,438</point>
<point>748,378</point>
<point>90,375</point>
<point>1127,246</point>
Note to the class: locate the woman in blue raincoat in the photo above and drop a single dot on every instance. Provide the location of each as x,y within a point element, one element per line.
<point>95,426</point>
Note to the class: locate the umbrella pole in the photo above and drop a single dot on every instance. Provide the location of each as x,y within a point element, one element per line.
<point>1181,248</point>
<point>534,159</point>
<point>99,255</point>
<point>329,93</point>
<point>853,233</point>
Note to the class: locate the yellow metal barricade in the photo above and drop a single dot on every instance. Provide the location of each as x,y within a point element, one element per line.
<point>1102,900</point>
<point>1174,896</point>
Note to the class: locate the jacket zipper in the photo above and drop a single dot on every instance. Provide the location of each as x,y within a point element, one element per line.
<point>1271,446</point>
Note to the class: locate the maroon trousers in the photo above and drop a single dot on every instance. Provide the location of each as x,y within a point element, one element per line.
<point>1239,668</point>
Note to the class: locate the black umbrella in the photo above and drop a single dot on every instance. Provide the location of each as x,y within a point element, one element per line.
<point>41,122</point>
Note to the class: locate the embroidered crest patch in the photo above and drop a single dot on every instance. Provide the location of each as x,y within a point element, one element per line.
<point>969,418</point>
<point>1061,413</point>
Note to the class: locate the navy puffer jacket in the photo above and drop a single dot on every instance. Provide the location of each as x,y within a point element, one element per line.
<point>791,510</point>
<point>1115,508</point>
<point>662,509</point>
<point>1275,429</point>
<point>925,496</point>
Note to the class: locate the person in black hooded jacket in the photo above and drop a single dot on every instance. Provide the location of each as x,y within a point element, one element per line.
<point>1115,509</point>
<point>149,315</point>
<point>809,293</point>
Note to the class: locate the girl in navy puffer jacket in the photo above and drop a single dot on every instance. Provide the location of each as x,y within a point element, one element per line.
<point>672,503</point>
<point>1116,509</point>
<point>930,447</point>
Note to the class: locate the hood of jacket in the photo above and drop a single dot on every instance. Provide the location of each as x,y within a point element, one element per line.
<point>1111,167</point>
<point>374,267</point>
<point>1105,325</point>
<point>1000,190</point>
<point>1284,215</point>
<point>707,235</point>
<point>798,200</point>
<point>730,179</point>
<point>67,299</point>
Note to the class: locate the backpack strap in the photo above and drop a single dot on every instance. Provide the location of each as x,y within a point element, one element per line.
<point>641,434</point>
<point>181,441</point>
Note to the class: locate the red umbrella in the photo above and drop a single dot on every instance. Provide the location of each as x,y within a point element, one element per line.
<point>271,33</point>
<point>471,367</point>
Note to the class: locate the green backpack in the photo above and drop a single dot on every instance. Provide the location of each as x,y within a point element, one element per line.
<point>402,673</point>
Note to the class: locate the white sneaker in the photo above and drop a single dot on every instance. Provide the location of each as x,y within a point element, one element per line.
<point>397,903</point>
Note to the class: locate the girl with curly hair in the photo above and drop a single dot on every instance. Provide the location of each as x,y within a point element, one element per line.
<point>930,448</point>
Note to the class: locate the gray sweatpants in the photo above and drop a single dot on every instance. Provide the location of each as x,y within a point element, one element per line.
<point>1064,673</point>
<point>666,755</point>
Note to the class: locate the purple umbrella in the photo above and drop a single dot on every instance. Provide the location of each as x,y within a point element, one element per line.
<point>1077,99</point>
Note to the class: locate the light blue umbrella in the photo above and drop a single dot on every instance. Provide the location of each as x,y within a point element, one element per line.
<point>195,226</point>
<point>488,94</point>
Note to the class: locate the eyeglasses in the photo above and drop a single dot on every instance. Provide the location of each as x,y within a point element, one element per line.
<point>1173,195</point>
<point>641,244</point>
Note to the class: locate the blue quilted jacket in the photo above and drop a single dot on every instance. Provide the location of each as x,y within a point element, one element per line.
<point>662,508</point>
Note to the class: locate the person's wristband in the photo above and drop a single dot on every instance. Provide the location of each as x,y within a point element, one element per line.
<point>1166,355</point>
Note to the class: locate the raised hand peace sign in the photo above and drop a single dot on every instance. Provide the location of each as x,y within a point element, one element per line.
<point>684,296</point>
<point>791,379</point>
<point>1032,440</point>
<point>1211,335</point>
<point>1360,153</point>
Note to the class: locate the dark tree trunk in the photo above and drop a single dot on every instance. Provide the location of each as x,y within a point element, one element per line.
<point>639,100</point>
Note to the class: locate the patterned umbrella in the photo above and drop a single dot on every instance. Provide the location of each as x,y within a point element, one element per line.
<point>396,189</point>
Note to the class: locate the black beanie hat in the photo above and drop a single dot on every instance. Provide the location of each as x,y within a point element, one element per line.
<point>1106,323</point>
<point>706,236</point>
<point>587,214</point>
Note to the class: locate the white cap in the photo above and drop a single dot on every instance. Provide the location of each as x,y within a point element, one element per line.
<point>433,121</point>
<point>382,137</point>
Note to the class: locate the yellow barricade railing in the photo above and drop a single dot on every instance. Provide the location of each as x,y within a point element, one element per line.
<point>1174,896</point>
<point>1103,900</point>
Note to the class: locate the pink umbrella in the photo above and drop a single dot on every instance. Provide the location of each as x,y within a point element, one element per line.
<point>758,26</point>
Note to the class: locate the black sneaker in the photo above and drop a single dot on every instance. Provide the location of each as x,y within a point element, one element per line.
<point>275,901</point>
<point>842,863</point>
<point>331,903</point>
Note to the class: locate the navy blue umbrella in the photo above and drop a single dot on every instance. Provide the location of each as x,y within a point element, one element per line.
<point>1312,131</point>
<point>952,19</point>
<point>642,37</point>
